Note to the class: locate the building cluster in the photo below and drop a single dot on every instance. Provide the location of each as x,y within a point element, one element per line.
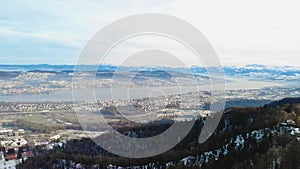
<point>35,107</point>
<point>291,127</point>
<point>268,93</point>
<point>15,148</point>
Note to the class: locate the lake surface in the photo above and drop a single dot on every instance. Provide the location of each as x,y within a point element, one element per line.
<point>121,93</point>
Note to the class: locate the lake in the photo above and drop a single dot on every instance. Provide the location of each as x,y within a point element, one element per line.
<point>121,93</point>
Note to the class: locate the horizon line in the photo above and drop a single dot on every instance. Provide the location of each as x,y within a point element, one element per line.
<point>107,64</point>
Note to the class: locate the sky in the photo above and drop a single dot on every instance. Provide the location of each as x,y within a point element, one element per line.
<point>242,32</point>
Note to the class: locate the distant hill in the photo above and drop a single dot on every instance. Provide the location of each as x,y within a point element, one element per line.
<point>284,102</point>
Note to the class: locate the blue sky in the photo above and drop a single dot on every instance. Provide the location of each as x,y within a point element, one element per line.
<point>242,32</point>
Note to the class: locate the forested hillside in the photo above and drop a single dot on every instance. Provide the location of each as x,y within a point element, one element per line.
<point>253,137</point>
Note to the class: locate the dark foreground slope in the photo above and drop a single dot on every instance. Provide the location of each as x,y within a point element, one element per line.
<point>245,138</point>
